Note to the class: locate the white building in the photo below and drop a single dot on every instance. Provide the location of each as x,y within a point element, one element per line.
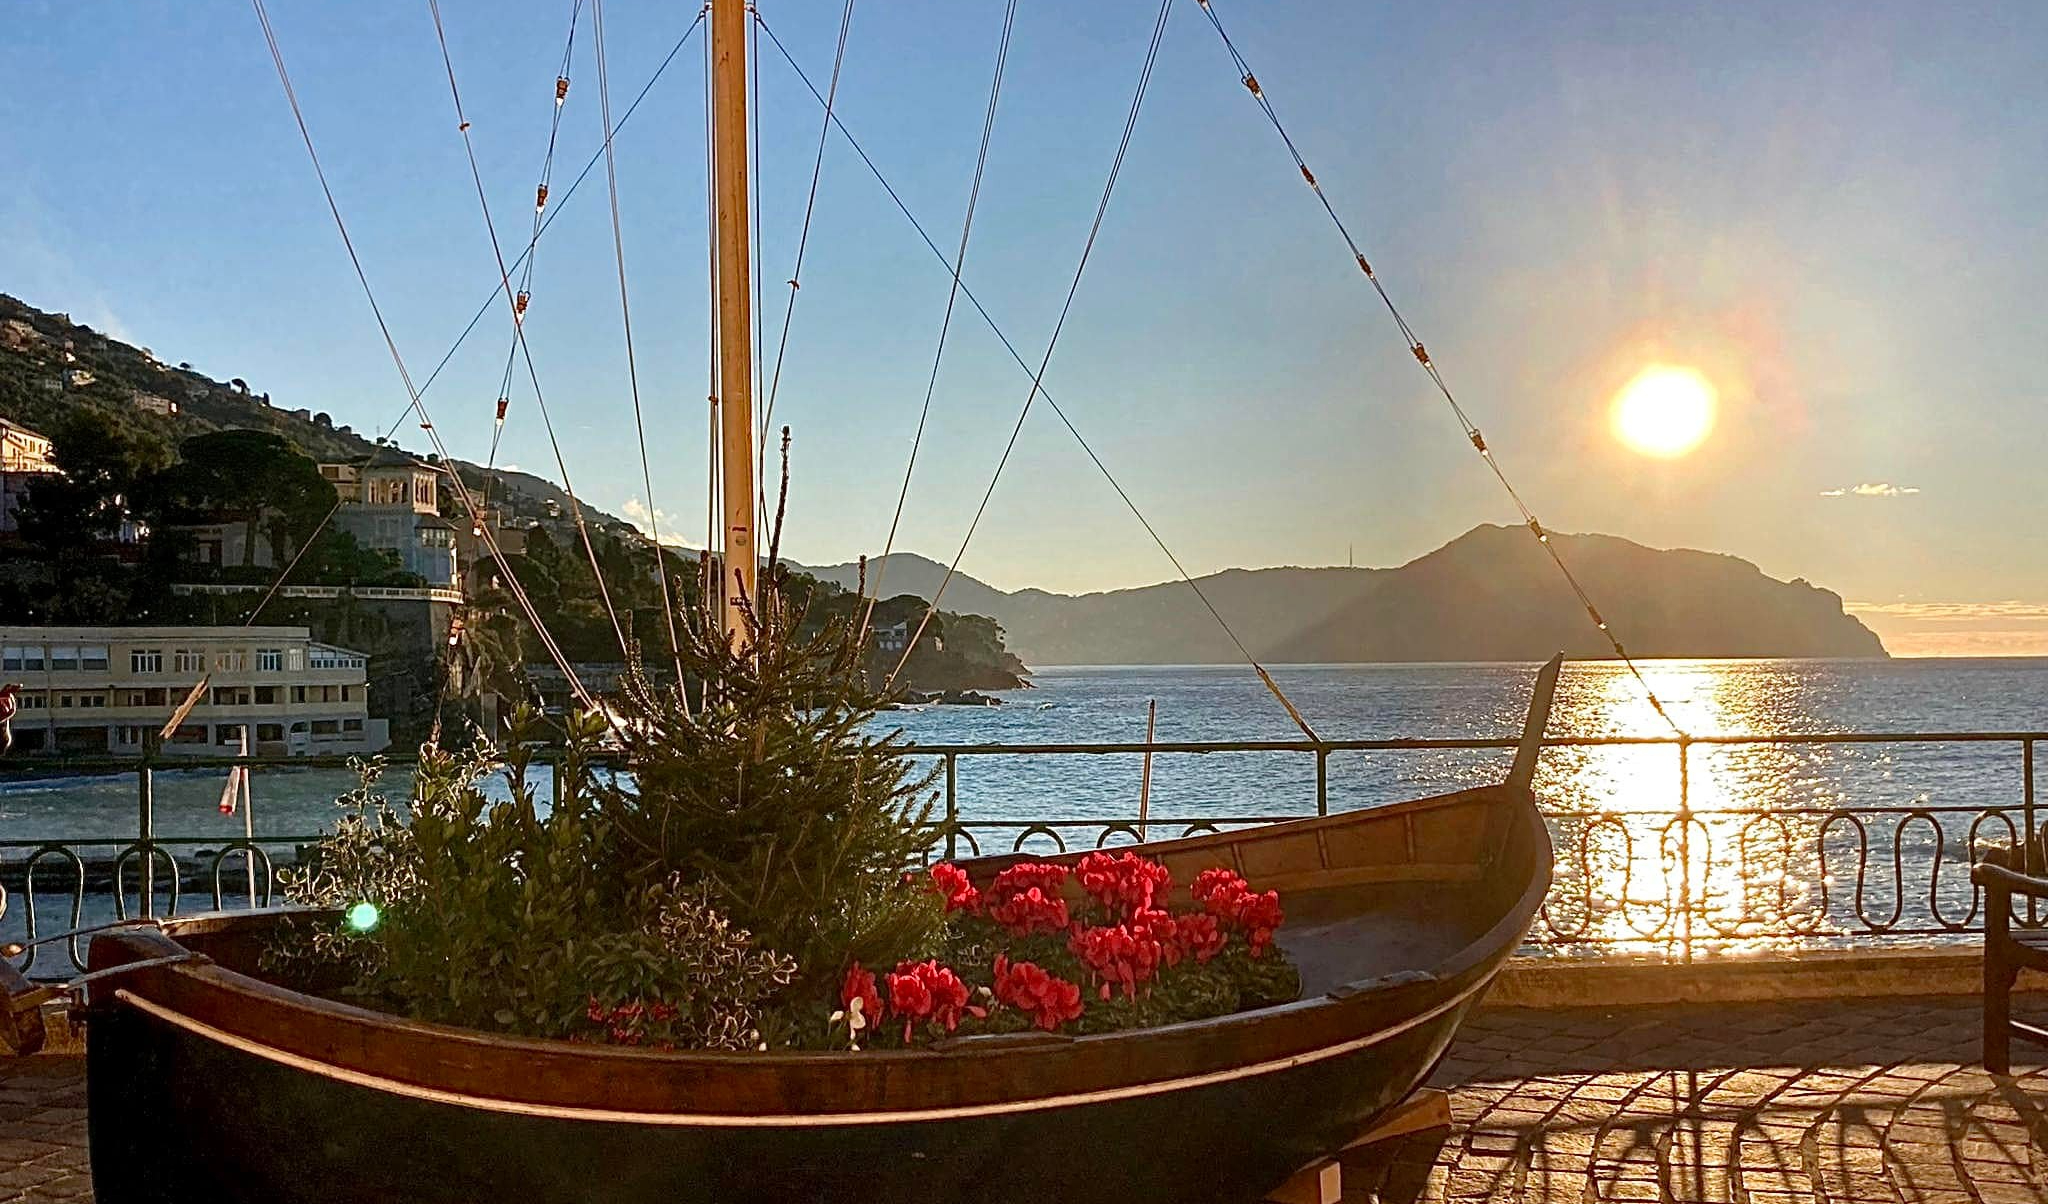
<point>392,501</point>
<point>102,690</point>
<point>24,458</point>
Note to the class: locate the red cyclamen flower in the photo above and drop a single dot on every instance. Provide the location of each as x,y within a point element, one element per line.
<point>1045,876</point>
<point>1050,1000</point>
<point>1031,911</point>
<point>1124,884</point>
<point>1117,955</point>
<point>860,984</point>
<point>929,992</point>
<point>1231,900</point>
<point>954,886</point>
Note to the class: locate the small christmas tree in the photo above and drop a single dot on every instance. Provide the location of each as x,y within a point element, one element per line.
<point>773,793</point>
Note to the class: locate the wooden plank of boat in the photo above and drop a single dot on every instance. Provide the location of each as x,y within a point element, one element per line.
<point>209,1079</point>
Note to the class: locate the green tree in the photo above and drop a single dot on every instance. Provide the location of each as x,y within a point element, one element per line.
<point>105,466</point>
<point>260,479</point>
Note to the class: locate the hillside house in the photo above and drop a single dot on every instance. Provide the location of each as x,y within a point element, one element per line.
<point>391,501</point>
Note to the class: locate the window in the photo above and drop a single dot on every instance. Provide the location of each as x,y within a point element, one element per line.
<point>146,660</point>
<point>92,700</point>
<point>19,658</point>
<point>93,657</point>
<point>189,733</point>
<point>230,696</point>
<point>231,662</point>
<point>325,727</point>
<point>227,733</point>
<point>270,660</point>
<point>188,660</point>
<point>352,725</point>
<point>64,659</point>
<point>269,731</point>
<point>268,695</point>
<point>294,659</point>
<point>132,734</point>
<point>33,700</point>
<point>298,693</point>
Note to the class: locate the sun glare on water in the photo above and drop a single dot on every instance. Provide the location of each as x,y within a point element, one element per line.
<point>1665,411</point>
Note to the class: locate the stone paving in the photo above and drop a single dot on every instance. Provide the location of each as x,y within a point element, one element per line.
<point>1839,1102</point>
<point>1834,1102</point>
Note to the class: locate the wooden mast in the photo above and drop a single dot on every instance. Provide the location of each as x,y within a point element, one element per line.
<point>735,306</point>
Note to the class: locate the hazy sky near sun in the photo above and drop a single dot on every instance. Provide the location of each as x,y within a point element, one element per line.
<point>1836,211</point>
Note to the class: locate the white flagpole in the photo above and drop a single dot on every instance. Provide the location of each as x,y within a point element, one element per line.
<point>248,819</point>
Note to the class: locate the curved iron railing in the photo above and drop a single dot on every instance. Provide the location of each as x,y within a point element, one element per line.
<point>1678,880</point>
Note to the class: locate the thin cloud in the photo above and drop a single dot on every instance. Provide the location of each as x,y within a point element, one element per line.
<point>1872,489</point>
<point>2005,628</point>
<point>1952,612</point>
<point>650,521</point>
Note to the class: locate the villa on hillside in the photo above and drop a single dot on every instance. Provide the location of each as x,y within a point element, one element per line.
<point>101,690</point>
<point>24,457</point>
<point>392,501</point>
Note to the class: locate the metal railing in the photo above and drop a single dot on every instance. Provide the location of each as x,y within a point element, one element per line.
<point>1682,879</point>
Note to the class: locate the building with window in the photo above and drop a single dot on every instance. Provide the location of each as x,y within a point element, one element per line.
<point>105,690</point>
<point>24,459</point>
<point>391,501</point>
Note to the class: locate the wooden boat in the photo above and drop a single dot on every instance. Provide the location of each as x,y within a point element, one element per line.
<point>207,1082</point>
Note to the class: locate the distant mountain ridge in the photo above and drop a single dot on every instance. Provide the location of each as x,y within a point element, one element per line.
<point>1489,595</point>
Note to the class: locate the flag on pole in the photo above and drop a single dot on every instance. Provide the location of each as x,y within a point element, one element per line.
<point>237,785</point>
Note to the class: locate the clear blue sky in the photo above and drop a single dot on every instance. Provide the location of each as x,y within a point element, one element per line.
<point>1835,210</point>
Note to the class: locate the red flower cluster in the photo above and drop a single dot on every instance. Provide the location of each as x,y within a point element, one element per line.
<point>1050,1000</point>
<point>1030,912</point>
<point>927,992</point>
<point>953,884</point>
<point>624,1023</point>
<point>1026,898</point>
<point>1047,877</point>
<point>860,984</point>
<point>1196,934</point>
<point>1230,899</point>
<point>1119,955</point>
<point>1125,884</point>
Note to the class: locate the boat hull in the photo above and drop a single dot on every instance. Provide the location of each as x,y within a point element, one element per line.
<point>178,1116</point>
<point>206,1081</point>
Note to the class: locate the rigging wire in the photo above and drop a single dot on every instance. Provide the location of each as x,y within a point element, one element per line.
<point>554,211</point>
<point>1422,356</point>
<point>1016,356</point>
<point>604,103</point>
<point>988,125</point>
<point>1059,326</point>
<point>540,204</point>
<point>803,238</point>
<point>391,344</point>
<point>518,308</point>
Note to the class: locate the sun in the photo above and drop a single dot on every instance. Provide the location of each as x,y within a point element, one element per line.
<point>1665,411</point>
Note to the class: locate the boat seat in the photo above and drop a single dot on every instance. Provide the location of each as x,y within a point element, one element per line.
<point>2007,875</point>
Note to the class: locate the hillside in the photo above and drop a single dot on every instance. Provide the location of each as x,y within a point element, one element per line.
<point>39,386</point>
<point>1491,594</point>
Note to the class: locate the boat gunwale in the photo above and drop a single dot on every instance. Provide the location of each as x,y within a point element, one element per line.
<point>1268,1033</point>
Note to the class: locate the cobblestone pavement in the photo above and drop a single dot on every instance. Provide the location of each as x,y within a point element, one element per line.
<point>42,1129</point>
<point>1855,1102</point>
